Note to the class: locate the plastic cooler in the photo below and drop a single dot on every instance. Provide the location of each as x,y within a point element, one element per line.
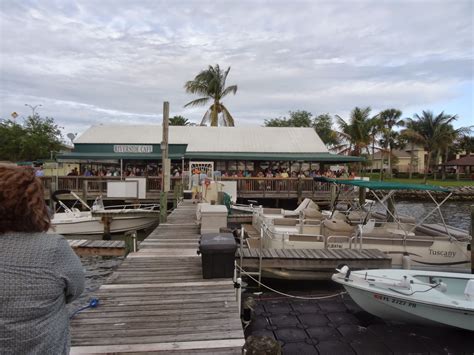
<point>218,255</point>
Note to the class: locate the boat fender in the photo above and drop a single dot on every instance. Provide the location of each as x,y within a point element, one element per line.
<point>406,262</point>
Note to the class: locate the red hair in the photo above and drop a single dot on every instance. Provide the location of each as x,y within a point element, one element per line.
<point>22,205</point>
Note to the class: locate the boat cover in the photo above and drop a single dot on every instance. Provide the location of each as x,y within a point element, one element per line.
<point>382,185</point>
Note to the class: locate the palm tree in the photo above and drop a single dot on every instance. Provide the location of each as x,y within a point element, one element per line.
<point>431,132</point>
<point>390,118</point>
<point>356,132</point>
<point>179,121</point>
<point>375,130</point>
<point>210,84</point>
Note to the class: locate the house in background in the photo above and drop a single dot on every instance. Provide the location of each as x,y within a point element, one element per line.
<point>401,160</point>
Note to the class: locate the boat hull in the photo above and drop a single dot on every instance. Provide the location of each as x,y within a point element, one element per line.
<point>94,225</point>
<point>410,311</point>
<point>402,296</point>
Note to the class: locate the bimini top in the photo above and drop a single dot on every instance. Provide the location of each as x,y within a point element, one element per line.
<point>382,185</point>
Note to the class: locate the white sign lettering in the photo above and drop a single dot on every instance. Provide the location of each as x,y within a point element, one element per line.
<point>133,148</point>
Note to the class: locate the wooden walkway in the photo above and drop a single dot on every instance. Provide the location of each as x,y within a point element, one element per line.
<point>85,247</point>
<point>321,263</point>
<point>157,300</point>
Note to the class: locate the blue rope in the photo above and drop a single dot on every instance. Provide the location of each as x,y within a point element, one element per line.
<point>93,303</point>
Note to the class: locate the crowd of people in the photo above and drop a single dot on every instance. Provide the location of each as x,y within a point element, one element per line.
<point>176,172</point>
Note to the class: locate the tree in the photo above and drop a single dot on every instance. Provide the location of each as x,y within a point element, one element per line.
<point>33,140</point>
<point>355,133</point>
<point>179,121</point>
<point>430,131</point>
<point>390,119</point>
<point>466,143</point>
<point>297,119</point>
<point>210,84</point>
<point>323,126</point>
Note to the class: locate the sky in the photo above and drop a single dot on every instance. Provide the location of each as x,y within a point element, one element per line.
<point>116,61</point>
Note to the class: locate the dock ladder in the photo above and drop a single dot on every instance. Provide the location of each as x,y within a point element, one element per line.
<point>260,255</point>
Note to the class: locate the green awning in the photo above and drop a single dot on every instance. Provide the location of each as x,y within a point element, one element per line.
<point>313,157</point>
<point>383,185</point>
<point>114,156</point>
<point>122,151</point>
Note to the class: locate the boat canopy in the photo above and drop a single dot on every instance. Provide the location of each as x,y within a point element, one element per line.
<point>382,185</point>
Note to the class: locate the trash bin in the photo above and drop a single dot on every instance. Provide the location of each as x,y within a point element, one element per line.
<point>218,255</point>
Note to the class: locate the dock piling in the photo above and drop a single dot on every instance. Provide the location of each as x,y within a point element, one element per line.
<point>472,233</point>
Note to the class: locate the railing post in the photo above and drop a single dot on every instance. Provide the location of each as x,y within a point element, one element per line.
<point>84,189</point>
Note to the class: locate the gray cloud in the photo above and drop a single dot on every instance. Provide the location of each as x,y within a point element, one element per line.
<point>116,61</point>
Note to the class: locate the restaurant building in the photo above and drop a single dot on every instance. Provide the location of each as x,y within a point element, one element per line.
<point>230,149</point>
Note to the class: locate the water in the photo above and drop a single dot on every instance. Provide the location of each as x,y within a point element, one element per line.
<point>456,213</point>
<point>97,269</point>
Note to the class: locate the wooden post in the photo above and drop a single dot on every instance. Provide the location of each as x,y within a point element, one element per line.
<point>391,208</point>
<point>131,242</point>
<point>165,179</point>
<point>53,188</point>
<point>362,194</point>
<point>333,190</point>
<point>472,234</point>
<point>84,189</point>
<point>175,195</point>
<point>163,207</point>
<point>106,221</point>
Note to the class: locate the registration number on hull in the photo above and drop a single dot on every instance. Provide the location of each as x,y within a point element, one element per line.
<point>393,300</point>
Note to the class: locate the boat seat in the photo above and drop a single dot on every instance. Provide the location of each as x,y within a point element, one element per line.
<point>312,213</point>
<point>272,211</point>
<point>469,290</point>
<point>284,222</point>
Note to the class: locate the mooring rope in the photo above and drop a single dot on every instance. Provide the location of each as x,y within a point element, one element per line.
<point>288,295</point>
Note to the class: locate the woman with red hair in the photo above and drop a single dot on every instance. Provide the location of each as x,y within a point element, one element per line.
<point>39,272</point>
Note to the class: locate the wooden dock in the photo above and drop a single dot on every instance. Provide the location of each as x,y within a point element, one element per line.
<point>320,263</point>
<point>85,247</point>
<point>157,300</point>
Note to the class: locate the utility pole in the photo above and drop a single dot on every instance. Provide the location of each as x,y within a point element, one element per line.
<point>165,164</point>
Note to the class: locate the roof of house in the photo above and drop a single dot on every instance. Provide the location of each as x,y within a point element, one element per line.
<point>465,161</point>
<point>211,139</point>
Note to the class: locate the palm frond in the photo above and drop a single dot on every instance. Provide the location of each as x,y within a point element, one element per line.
<point>205,118</point>
<point>198,102</point>
<point>228,119</point>
<point>230,89</point>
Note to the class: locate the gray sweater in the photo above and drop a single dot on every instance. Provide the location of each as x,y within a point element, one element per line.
<point>39,274</point>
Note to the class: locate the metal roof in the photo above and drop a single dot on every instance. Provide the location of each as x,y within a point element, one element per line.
<point>211,139</point>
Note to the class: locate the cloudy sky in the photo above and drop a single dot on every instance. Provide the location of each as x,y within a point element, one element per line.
<point>104,61</point>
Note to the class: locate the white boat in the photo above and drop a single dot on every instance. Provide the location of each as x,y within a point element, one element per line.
<point>412,296</point>
<point>124,218</point>
<point>409,244</point>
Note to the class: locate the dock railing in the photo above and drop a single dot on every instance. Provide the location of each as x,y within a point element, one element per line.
<point>247,187</point>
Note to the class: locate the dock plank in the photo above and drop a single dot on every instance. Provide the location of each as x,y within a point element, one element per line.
<point>157,300</point>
